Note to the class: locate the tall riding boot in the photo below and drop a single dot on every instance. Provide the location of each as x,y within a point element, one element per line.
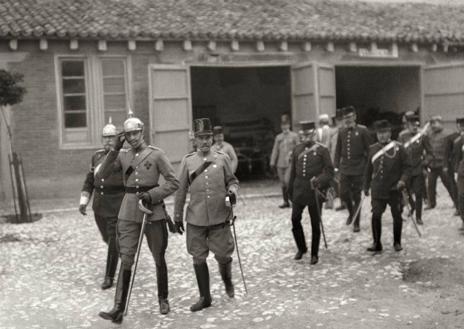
<point>226,274</point>
<point>286,204</point>
<point>300,241</point>
<point>162,282</point>
<point>120,299</point>
<point>202,274</point>
<point>111,265</point>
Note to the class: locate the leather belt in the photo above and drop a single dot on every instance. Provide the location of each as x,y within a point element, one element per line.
<point>139,189</point>
<point>115,189</point>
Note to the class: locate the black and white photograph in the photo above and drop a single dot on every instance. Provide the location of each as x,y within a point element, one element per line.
<point>232,164</point>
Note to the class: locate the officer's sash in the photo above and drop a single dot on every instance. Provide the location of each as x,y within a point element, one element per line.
<point>198,171</point>
<point>136,161</point>
<point>308,150</point>
<point>382,151</point>
<point>417,136</point>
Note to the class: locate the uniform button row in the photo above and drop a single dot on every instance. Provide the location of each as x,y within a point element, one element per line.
<point>102,180</point>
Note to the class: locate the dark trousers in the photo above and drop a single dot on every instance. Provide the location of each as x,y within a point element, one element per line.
<point>297,228</point>
<point>107,228</point>
<point>416,186</point>
<point>378,208</point>
<point>432,185</point>
<point>453,186</point>
<point>156,234</point>
<point>460,187</point>
<point>350,193</point>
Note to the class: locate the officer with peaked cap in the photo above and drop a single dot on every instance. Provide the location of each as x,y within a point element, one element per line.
<point>458,156</point>
<point>141,165</point>
<point>386,175</point>
<point>351,152</point>
<point>224,147</point>
<point>107,198</point>
<point>310,174</point>
<point>416,145</point>
<point>208,175</point>
<point>284,143</point>
<point>450,163</point>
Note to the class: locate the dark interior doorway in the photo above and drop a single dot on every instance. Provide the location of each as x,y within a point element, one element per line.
<point>379,92</point>
<point>248,102</point>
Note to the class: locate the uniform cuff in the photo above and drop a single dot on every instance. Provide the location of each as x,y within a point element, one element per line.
<point>85,197</point>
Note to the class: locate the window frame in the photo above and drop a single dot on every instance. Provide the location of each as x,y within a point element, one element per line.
<point>94,98</point>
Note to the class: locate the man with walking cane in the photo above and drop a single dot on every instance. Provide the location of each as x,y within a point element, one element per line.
<point>311,172</point>
<point>142,165</point>
<point>209,177</point>
<point>386,174</point>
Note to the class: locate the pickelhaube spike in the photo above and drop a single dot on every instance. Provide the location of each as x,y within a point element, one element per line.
<point>132,123</point>
<point>109,129</point>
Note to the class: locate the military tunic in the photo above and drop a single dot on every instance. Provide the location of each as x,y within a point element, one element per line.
<point>107,193</point>
<point>382,176</point>
<point>141,172</point>
<point>207,214</point>
<point>458,152</point>
<point>437,162</point>
<point>309,161</point>
<point>416,153</point>
<point>351,155</point>
<point>228,149</point>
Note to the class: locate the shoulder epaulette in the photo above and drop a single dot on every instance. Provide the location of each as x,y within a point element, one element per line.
<point>154,148</point>
<point>189,154</point>
<point>320,144</point>
<point>100,151</point>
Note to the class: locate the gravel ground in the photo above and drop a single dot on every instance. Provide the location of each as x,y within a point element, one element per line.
<point>50,272</point>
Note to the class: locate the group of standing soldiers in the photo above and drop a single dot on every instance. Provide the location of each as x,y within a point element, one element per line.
<point>120,178</point>
<point>345,159</point>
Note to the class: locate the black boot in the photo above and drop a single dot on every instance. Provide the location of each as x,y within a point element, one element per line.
<point>226,274</point>
<point>286,204</point>
<point>300,241</point>
<point>111,264</point>
<point>202,274</point>
<point>122,288</point>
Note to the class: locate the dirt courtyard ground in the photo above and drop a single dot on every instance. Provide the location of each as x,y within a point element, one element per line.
<point>50,272</point>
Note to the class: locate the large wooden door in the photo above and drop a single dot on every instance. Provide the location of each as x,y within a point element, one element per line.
<point>443,92</point>
<point>313,91</point>
<point>170,109</point>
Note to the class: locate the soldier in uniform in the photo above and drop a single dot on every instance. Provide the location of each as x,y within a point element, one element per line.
<point>386,175</point>
<point>350,159</point>
<point>450,163</point>
<point>438,162</point>
<point>208,175</point>
<point>284,143</point>
<point>141,165</point>
<point>458,152</point>
<point>310,174</point>
<point>107,197</point>
<point>224,147</point>
<point>416,145</point>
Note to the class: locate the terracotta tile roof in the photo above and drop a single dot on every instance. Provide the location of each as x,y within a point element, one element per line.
<point>228,19</point>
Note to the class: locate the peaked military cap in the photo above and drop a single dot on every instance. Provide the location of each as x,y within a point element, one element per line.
<point>414,118</point>
<point>218,130</point>
<point>202,126</point>
<point>339,113</point>
<point>349,110</point>
<point>460,121</point>
<point>382,125</point>
<point>307,126</point>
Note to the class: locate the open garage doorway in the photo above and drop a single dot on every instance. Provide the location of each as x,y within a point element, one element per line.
<point>379,92</point>
<point>248,103</point>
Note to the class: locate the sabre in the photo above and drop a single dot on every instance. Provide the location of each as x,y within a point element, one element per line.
<point>146,212</point>
<point>359,206</point>
<point>405,198</point>
<point>231,200</point>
